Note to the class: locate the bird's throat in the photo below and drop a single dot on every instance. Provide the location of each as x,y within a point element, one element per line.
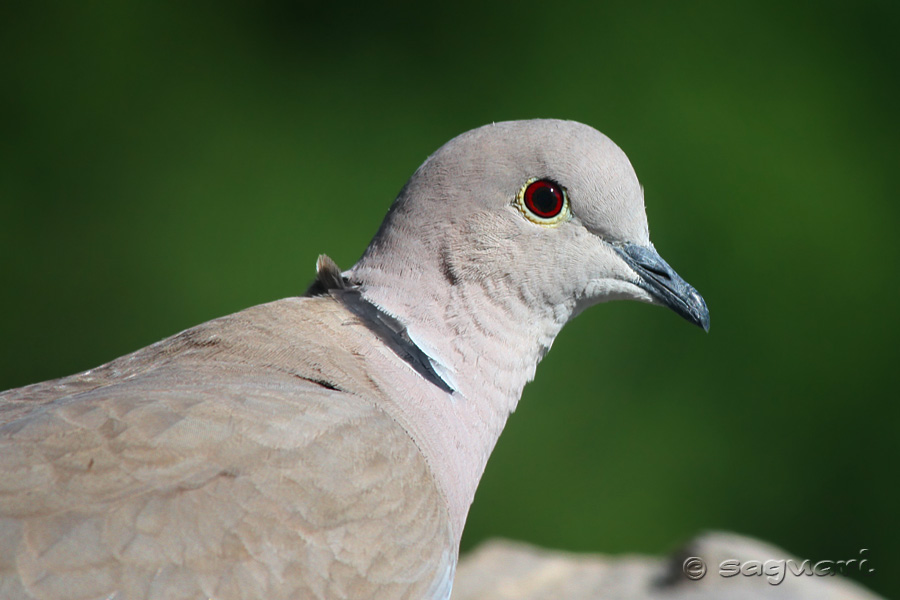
<point>482,344</point>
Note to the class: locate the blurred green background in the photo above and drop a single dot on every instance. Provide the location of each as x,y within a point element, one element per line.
<point>165,163</point>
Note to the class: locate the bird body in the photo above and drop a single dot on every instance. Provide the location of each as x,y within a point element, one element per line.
<point>329,446</point>
<point>240,458</point>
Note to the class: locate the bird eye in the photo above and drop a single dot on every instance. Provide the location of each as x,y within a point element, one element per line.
<point>543,202</point>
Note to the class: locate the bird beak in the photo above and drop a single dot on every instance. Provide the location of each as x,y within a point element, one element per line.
<point>664,284</point>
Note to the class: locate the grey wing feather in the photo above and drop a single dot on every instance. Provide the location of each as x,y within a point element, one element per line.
<point>231,461</point>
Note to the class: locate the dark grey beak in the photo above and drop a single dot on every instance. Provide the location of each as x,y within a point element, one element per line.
<point>664,284</point>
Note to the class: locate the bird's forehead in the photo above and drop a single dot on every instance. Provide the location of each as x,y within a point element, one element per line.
<point>526,146</point>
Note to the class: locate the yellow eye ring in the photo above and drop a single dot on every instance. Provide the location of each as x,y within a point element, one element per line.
<point>543,201</point>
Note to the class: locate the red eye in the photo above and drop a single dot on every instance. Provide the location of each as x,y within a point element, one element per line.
<point>544,198</point>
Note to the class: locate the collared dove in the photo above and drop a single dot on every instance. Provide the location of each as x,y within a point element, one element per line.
<point>329,446</point>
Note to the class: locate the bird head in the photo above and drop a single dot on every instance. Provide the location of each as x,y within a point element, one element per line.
<point>549,210</point>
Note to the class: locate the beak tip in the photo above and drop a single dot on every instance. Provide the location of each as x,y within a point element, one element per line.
<point>704,322</point>
<point>702,316</point>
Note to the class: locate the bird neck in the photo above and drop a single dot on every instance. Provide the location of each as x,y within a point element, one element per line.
<point>483,339</point>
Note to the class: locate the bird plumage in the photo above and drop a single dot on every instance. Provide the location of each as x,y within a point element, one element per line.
<point>242,458</point>
<point>329,446</point>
